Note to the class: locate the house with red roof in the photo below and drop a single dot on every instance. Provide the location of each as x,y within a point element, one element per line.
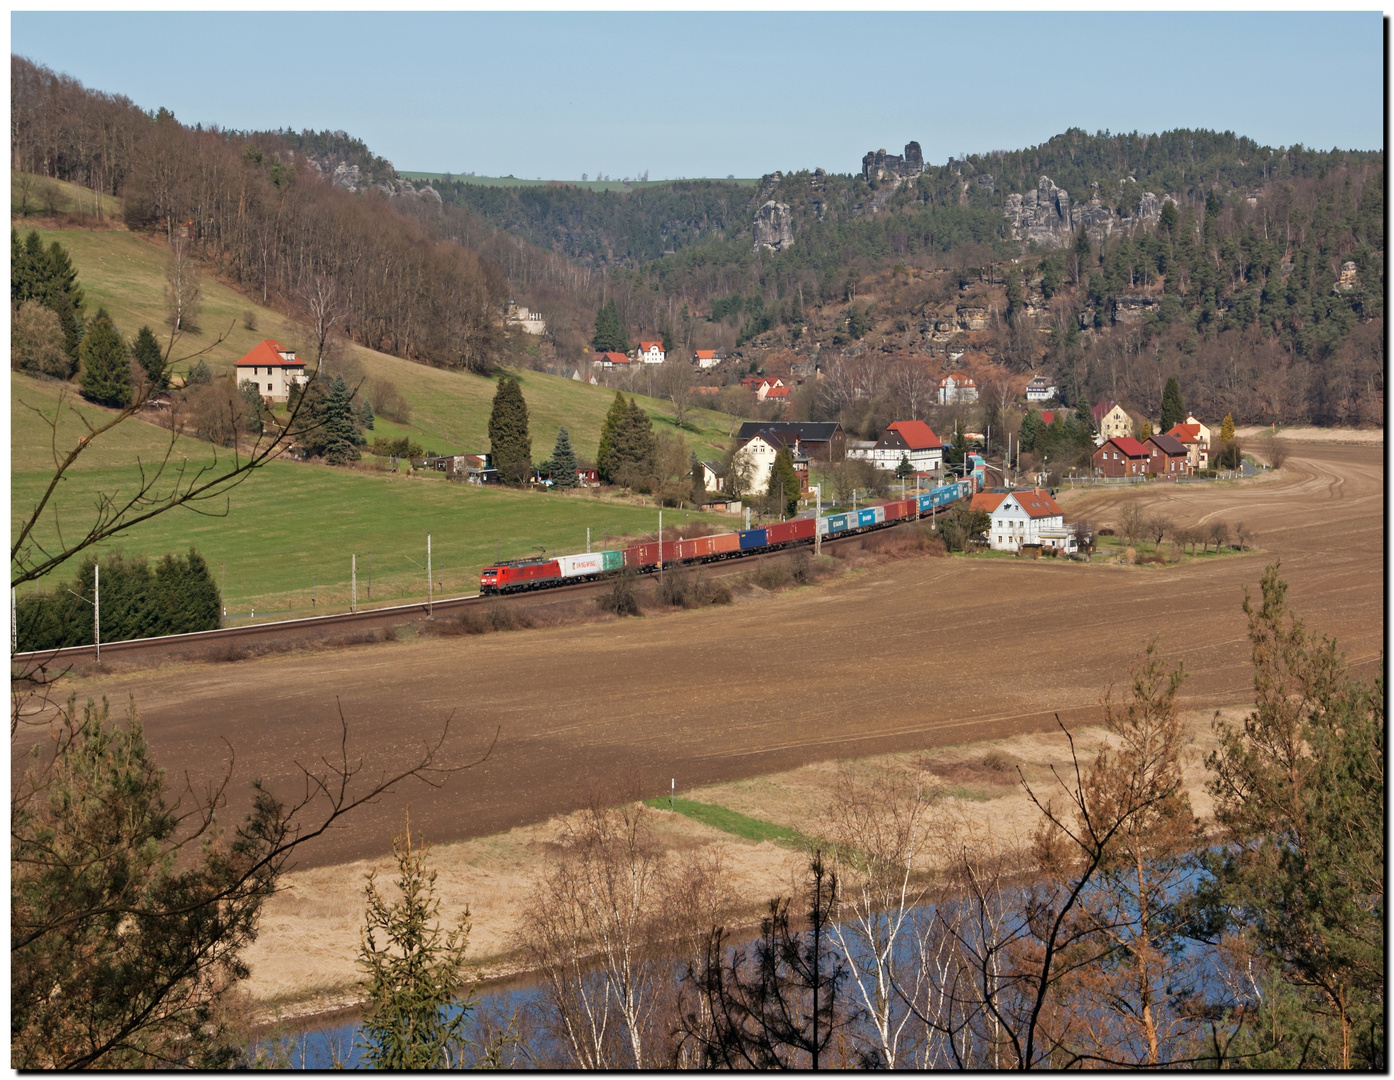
<point>272,370</point>
<point>1024,518</point>
<point>1122,456</point>
<point>1195,437</point>
<point>606,360</point>
<point>1110,419</point>
<point>650,352</point>
<point>956,389</point>
<point>911,440</point>
<point>708,358</point>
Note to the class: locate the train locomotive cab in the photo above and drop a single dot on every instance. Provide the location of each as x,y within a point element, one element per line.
<point>489,581</point>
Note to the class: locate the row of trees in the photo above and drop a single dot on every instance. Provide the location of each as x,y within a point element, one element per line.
<point>177,595</point>
<point>1119,934</point>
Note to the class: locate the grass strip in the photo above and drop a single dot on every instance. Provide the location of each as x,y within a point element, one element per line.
<point>718,817</point>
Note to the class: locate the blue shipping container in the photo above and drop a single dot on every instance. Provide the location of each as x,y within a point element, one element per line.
<point>873,516</point>
<point>837,523</point>
<point>752,538</point>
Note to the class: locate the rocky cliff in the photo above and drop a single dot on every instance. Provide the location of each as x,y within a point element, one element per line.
<point>774,226</point>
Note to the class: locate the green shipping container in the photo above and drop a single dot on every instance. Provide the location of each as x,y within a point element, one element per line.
<point>614,560</point>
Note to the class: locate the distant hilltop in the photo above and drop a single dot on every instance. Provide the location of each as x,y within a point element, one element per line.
<point>879,165</point>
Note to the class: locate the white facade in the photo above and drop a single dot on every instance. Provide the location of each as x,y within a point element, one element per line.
<point>1041,389</point>
<point>1013,525</point>
<point>706,358</point>
<point>957,389</point>
<point>759,456</point>
<point>274,380</point>
<point>530,322</point>
<point>650,352</point>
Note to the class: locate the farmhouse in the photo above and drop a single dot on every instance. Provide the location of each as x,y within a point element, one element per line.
<point>1167,456</point>
<point>1041,389</point>
<point>607,360</point>
<point>1024,518</point>
<point>650,352</point>
<point>913,440</point>
<point>1122,456</point>
<point>1195,437</point>
<point>820,441</point>
<point>1110,420</point>
<point>956,389</point>
<point>272,370</point>
<point>708,358</point>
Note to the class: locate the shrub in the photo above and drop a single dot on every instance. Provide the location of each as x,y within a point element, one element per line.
<point>622,599</point>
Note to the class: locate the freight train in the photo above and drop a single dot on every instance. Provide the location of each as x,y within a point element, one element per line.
<point>524,574</point>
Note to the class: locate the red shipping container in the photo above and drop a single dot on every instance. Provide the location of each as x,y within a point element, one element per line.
<point>648,554</point>
<point>725,543</point>
<point>788,531</point>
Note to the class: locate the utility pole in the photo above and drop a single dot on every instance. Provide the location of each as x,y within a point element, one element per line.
<point>353,601</point>
<point>817,517</point>
<point>97,607</point>
<point>430,584</point>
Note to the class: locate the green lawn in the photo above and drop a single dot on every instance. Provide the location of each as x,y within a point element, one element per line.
<point>290,529</point>
<point>718,817</point>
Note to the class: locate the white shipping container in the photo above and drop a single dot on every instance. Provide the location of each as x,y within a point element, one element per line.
<point>581,565</point>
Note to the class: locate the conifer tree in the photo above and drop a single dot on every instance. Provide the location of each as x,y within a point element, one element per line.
<point>1227,429</point>
<point>1173,409</point>
<point>1030,430</point>
<point>699,480</point>
<point>510,446</point>
<point>610,334</point>
<point>607,434</point>
<point>783,491</point>
<point>48,277</point>
<point>151,358</point>
<point>106,364</point>
<point>415,971</point>
<point>563,461</point>
<point>633,457</point>
<point>341,435</point>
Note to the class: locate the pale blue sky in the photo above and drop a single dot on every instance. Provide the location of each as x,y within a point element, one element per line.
<point>555,94</point>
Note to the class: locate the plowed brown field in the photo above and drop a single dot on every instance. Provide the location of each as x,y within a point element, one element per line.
<point>914,654</point>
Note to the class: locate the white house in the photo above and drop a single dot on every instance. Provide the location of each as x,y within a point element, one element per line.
<point>708,358</point>
<point>1029,516</point>
<point>530,322</point>
<point>650,352</point>
<point>912,440</point>
<point>1041,389</point>
<point>1111,421</point>
<point>272,370</point>
<point>956,389</point>
<point>759,452</point>
<point>608,360</point>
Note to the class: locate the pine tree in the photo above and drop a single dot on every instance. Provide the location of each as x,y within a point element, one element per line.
<point>341,436</point>
<point>1173,409</point>
<point>1145,432</point>
<point>633,457</point>
<point>1030,430</point>
<point>610,334</point>
<point>1227,429</point>
<point>784,488</point>
<point>48,277</point>
<point>151,358</point>
<point>699,480</point>
<point>904,469</point>
<point>510,446</point>
<point>1084,413</point>
<point>607,435</point>
<point>106,364</point>
<point>416,973</point>
<point>563,461</point>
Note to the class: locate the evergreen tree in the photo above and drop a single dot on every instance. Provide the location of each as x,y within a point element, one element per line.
<point>510,446</point>
<point>1084,412</point>
<point>699,480</point>
<point>633,449</point>
<point>1145,432</point>
<point>365,414</point>
<point>341,437</point>
<point>782,495</point>
<point>200,375</point>
<point>415,971</point>
<point>1030,430</point>
<point>610,334</point>
<point>1227,429</point>
<point>1173,409</point>
<point>106,364</point>
<point>904,469</point>
<point>607,434</point>
<point>48,277</point>
<point>151,358</point>
<point>563,461</point>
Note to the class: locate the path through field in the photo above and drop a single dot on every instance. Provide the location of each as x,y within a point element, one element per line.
<point>915,654</point>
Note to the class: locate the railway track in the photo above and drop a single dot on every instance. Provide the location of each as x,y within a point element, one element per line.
<point>326,628</point>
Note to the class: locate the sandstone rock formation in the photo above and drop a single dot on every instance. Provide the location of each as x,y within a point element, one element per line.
<point>774,227</point>
<point>1349,280</point>
<point>878,165</point>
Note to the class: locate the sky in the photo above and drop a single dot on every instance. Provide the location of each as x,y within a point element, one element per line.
<point>553,95</point>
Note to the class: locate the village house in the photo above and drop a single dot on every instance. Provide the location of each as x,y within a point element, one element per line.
<point>1024,518</point>
<point>708,358</point>
<point>956,389</point>
<point>911,440</point>
<point>1041,389</point>
<point>712,477</point>
<point>758,454</point>
<point>650,352</point>
<point>608,360</point>
<point>272,370</point>
<point>1110,420</point>
<point>821,441</point>
<point>1167,456</point>
<point>1122,456</point>
<point>1195,437</point>
<point>530,322</point>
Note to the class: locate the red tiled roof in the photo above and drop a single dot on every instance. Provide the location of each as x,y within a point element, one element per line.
<point>705,354</point>
<point>1130,446</point>
<point>777,392</point>
<point>1036,503</point>
<point>1186,432</point>
<point>1047,417</point>
<point>647,345</point>
<point>987,501</point>
<point>268,354</point>
<point>917,434</point>
<point>955,377</point>
<point>1101,408</point>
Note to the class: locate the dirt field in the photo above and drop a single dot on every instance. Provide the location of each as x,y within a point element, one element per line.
<point>923,653</point>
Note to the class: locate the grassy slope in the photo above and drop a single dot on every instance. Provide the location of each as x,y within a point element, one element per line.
<point>292,523</point>
<point>124,273</point>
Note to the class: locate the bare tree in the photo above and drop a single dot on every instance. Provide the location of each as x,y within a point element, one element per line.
<point>1132,521</point>
<point>1219,534</point>
<point>1241,535</point>
<point>1159,527</point>
<point>325,310</point>
<point>183,285</point>
<point>677,380</point>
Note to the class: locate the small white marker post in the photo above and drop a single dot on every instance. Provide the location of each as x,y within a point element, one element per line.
<point>672,792</point>
<point>353,601</point>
